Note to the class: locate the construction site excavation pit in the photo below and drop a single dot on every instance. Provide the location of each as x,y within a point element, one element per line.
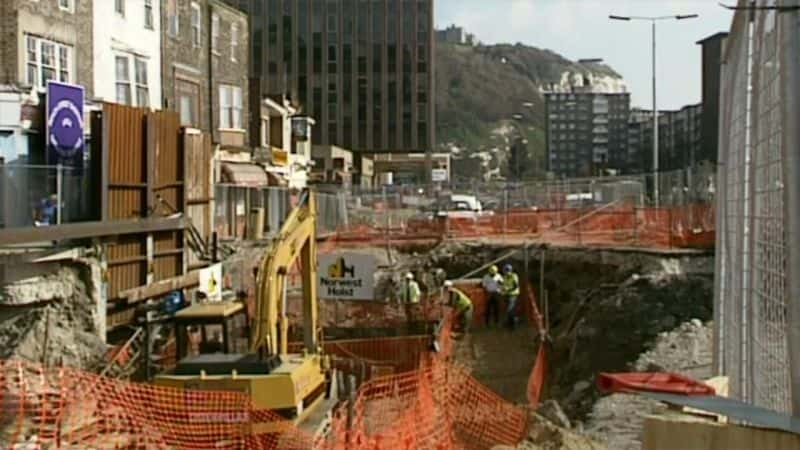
<point>606,310</point>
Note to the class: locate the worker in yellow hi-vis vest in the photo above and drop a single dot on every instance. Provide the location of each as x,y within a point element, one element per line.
<point>409,297</point>
<point>511,292</point>
<point>462,305</point>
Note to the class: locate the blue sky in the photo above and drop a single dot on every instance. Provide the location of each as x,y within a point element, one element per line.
<point>581,29</point>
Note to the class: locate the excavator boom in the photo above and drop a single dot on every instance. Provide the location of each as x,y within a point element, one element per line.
<point>297,237</point>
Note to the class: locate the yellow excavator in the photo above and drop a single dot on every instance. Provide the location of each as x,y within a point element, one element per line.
<point>216,350</point>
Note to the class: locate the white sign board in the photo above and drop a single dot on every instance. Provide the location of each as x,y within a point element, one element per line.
<point>346,276</point>
<point>438,175</point>
<point>211,282</point>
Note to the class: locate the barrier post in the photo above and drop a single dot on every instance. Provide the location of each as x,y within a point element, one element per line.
<point>505,211</point>
<point>59,192</point>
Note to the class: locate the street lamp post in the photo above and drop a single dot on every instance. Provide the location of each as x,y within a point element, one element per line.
<point>653,20</point>
<point>522,139</point>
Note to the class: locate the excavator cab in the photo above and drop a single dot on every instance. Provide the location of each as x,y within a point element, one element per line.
<point>209,328</point>
<point>215,355</point>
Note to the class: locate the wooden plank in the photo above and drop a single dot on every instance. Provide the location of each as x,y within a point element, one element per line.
<point>127,260</point>
<point>160,288</point>
<point>682,432</point>
<point>82,230</point>
<point>150,161</point>
<point>119,317</point>
<point>123,185</point>
<point>105,210</point>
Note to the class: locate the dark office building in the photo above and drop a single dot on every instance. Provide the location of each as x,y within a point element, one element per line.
<point>680,139</point>
<point>587,133</point>
<point>363,69</point>
<point>712,60</point>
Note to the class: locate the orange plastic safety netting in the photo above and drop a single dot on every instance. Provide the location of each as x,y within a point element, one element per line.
<point>685,226</point>
<point>67,408</point>
<point>439,405</point>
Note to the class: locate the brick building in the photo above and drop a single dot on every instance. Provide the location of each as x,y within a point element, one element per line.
<point>205,67</point>
<point>46,39</point>
<point>39,41</point>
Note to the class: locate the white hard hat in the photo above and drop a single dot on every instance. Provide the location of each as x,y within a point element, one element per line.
<point>409,276</point>
<point>448,284</point>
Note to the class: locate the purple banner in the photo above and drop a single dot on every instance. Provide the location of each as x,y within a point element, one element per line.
<point>65,128</point>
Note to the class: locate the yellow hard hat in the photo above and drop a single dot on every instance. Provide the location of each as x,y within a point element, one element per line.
<point>493,270</point>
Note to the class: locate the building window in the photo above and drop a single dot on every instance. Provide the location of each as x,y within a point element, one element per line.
<point>230,107</point>
<point>234,40</point>
<point>66,5</point>
<point>142,90</point>
<point>173,19</point>
<point>119,7</point>
<point>47,60</point>
<point>148,14</point>
<point>214,33</point>
<point>186,110</point>
<point>127,83</point>
<point>123,80</point>
<point>196,24</point>
<point>188,102</point>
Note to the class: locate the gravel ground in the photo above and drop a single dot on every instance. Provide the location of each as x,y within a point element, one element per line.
<point>616,420</point>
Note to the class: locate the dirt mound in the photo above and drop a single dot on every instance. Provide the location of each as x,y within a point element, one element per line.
<point>56,325</point>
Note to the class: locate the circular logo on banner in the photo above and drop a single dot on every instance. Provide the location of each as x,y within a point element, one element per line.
<point>66,129</point>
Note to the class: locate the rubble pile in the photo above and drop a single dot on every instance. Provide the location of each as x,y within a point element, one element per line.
<point>53,319</point>
<point>545,435</point>
<point>617,420</point>
<point>605,323</point>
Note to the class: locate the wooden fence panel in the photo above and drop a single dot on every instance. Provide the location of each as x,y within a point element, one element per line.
<point>199,187</point>
<point>143,175</point>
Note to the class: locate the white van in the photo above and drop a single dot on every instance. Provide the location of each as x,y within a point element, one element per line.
<point>462,207</point>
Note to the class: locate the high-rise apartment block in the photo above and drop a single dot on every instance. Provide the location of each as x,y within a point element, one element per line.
<point>587,133</point>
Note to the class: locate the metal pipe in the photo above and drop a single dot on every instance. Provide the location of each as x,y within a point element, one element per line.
<point>655,123</point>
<point>59,193</point>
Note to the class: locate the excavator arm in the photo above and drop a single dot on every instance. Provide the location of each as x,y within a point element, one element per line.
<point>297,238</point>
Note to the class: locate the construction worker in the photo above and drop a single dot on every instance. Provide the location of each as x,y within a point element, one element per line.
<point>409,295</point>
<point>462,305</point>
<point>491,284</point>
<point>511,292</point>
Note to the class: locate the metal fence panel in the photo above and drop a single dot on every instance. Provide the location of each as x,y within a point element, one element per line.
<point>770,370</point>
<point>27,190</point>
<point>234,204</point>
<point>752,301</point>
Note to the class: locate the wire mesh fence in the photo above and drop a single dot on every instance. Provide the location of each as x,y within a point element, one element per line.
<point>38,195</point>
<point>753,308</point>
<point>235,207</point>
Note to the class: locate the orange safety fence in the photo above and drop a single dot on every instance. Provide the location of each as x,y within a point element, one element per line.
<point>438,405</point>
<point>537,378</point>
<point>68,408</point>
<point>684,226</point>
<point>380,355</point>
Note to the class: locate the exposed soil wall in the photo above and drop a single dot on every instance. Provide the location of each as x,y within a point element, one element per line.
<point>605,309</point>
<point>54,315</point>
